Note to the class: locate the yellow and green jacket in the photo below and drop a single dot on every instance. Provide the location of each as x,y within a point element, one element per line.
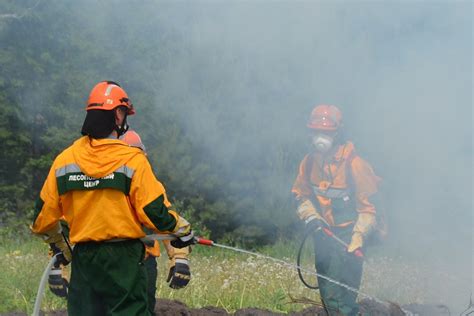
<point>105,190</point>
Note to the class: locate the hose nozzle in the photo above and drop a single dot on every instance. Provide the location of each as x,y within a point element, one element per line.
<point>203,241</point>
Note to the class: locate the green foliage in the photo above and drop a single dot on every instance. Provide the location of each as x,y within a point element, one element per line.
<point>48,70</point>
<point>15,227</point>
<point>15,151</point>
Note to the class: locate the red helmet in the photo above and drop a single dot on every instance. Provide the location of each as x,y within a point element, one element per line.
<point>133,139</point>
<point>325,117</point>
<point>108,95</point>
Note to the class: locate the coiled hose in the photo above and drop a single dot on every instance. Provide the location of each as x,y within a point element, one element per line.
<point>298,260</point>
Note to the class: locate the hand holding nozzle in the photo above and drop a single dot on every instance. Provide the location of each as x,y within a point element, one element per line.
<point>357,252</point>
<point>195,240</point>
<point>315,222</point>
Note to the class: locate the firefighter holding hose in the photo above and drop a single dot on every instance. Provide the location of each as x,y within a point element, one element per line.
<point>179,273</point>
<point>106,191</point>
<point>334,188</point>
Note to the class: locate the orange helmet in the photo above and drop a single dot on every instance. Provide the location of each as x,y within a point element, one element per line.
<point>325,117</point>
<point>133,139</point>
<point>108,95</point>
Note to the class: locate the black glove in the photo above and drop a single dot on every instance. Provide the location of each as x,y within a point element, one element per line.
<point>60,247</point>
<point>184,241</point>
<point>62,257</point>
<point>179,274</point>
<point>57,283</point>
<point>313,223</point>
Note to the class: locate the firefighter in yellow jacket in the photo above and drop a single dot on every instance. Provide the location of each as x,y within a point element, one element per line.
<point>106,191</point>
<point>334,188</point>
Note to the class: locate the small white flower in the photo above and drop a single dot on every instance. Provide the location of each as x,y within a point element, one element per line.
<point>226,284</point>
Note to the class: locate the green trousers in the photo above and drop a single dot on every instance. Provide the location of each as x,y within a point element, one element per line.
<point>108,279</point>
<point>152,275</point>
<point>333,261</point>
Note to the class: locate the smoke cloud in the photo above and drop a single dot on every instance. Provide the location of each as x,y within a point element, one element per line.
<point>400,71</point>
<point>240,80</point>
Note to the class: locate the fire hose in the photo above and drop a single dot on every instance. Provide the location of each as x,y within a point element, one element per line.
<point>328,232</point>
<point>44,279</point>
<point>207,242</point>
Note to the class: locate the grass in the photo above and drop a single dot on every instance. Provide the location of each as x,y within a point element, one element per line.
<point>233,280</point>
<point>219,278</point>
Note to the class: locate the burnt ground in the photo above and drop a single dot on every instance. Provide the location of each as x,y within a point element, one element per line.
<point>166,307</point>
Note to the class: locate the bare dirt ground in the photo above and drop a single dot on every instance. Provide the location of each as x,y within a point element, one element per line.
<point>175,308</point>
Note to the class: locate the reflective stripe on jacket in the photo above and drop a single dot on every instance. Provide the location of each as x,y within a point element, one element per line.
<point>105,189</point>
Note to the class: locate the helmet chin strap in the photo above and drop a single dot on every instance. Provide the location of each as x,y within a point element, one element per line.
<point>123,128</point>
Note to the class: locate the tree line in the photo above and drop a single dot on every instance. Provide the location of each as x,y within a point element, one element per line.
<point>222,169</point>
